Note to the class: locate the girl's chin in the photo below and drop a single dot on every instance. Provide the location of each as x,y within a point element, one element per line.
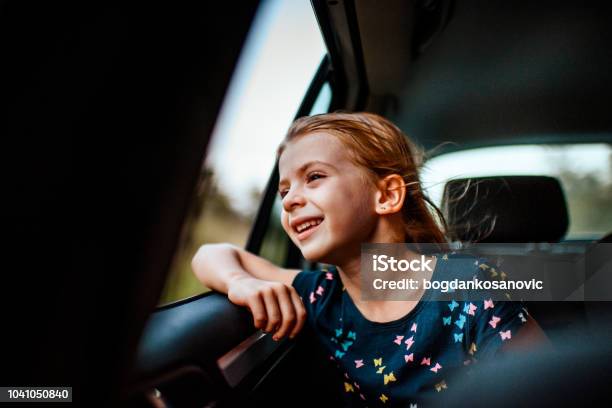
<point>313,252</point>
<point>312,256</point>
<point>323,251</point>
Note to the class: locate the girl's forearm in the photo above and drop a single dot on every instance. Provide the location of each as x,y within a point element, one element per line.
<point>216,265</point>
<point>253,282</point>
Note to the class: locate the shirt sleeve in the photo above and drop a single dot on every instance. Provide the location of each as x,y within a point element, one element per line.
<point>315,287</point>
<point>494,322</point>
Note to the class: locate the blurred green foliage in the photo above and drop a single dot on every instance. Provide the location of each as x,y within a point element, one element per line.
<point>589,200</point>
<point>211,219</point>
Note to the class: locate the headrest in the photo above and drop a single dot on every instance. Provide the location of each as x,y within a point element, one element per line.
<point>505,209</point>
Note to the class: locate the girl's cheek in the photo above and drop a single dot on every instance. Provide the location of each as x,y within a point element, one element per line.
<point>284,221</point>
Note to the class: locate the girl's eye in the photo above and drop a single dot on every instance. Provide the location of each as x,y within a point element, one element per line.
<point>283,193</point>
<point>314,176</point>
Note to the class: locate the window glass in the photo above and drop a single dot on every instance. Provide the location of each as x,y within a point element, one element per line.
<point>321,104</point>
<point>584,171</point>
<point>281,55</point>
<point>275,241</point>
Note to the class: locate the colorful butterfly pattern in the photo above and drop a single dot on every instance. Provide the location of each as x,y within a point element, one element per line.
<point>389,367</point>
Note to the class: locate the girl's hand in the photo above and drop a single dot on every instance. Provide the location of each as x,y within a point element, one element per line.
<point>276,307</point>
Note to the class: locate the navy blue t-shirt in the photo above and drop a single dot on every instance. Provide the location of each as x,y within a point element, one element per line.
<point>404,362</point>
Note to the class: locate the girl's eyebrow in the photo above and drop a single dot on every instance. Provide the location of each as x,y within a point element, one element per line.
<point>305,167</point>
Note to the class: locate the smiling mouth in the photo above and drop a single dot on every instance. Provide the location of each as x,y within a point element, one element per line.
<point>307,228</point>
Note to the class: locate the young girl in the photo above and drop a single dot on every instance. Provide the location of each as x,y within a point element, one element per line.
<point>348,179</point>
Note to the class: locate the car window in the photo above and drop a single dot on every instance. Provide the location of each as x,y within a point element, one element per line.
<point>281,55</point>
<point>584,171</point>
<point>321,104</point>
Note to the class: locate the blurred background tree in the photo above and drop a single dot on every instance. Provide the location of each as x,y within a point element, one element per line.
<point>589,198</point>
<point>211,219</point>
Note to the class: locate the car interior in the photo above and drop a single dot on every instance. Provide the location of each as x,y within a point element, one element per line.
<point>142,89</point>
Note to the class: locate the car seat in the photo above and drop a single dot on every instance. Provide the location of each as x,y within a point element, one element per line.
<point>518,209</point>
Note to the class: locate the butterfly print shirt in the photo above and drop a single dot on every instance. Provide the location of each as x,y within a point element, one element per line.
<point>412,360</point>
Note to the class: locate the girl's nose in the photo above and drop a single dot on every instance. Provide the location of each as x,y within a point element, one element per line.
<point>293,200</point>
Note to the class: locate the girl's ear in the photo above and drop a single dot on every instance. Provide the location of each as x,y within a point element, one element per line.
<point>390,195</point>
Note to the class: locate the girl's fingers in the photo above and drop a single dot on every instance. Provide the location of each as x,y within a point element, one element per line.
<point>272,309</point>
<point>287,311</point>
<point>258,310</point>
<point>277,309</point>
<point>300,312</point>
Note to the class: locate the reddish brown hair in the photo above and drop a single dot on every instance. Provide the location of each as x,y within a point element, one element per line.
<point>382,148</point>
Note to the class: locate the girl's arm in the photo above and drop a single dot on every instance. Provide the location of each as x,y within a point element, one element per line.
<point>251,281</point>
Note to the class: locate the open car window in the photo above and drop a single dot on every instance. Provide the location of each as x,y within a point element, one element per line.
<point>278,62</point>
<point>584,171</point>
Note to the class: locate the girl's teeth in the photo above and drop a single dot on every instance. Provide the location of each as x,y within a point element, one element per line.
<point>307,224</point>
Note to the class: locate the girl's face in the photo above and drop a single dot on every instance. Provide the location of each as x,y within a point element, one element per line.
<point>328,202</point>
